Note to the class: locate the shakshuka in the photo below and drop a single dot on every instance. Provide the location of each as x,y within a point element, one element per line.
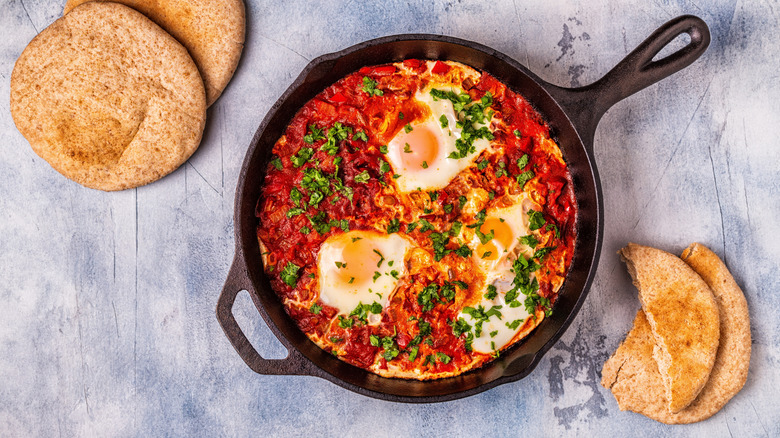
<point>417,219</point>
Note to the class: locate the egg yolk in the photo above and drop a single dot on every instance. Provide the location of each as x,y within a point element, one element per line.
<point>359,262</point>
<point>423,147</point>
<point>502,238</point>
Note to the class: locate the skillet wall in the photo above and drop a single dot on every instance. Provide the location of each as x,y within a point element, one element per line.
<point>322,72</point>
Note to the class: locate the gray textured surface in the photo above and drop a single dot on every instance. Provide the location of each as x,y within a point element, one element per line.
<point>107,300</point>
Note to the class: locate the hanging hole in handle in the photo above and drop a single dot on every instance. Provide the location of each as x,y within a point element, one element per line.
<point>674,46</point>
<point>255,329</point>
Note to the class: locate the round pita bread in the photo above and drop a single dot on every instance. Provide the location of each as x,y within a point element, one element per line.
<point>212,31</point>
<point>683,316</point>
<point>632,374</point>
<point>108,98</point>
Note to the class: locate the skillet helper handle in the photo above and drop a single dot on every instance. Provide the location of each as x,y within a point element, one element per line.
<point>238,280</point>
<point>636,71</point>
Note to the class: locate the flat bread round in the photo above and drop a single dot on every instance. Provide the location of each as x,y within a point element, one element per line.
<point>212,31</point>
<point>108,98</point>
<point>683,316</point>
<point>632,374</point>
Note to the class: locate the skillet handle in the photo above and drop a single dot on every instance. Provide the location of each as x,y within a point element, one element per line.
<point>636,71</point>
<point>294,364</point>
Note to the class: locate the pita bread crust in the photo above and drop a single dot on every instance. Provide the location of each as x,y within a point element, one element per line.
<point>108,98</point>
<point>683,316</point>
<point>213,32</point>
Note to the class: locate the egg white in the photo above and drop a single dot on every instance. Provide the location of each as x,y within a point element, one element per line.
<point>497,272</point>
<point>365,246</point>
<point>442,169</point>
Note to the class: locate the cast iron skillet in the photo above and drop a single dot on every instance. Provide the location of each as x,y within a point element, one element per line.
<point>573,115</point>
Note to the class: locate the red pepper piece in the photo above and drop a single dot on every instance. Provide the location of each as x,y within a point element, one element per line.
<point>338,98</point>
<point>412,63</point>
<point>440,68</point>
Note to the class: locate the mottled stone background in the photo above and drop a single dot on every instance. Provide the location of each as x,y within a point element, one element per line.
<point>107,300</point>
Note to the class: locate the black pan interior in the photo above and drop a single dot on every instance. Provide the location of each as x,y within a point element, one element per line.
<point>518,361</point>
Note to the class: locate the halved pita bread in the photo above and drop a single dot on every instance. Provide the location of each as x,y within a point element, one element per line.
<point>683,317</point>
<point>632,374</point>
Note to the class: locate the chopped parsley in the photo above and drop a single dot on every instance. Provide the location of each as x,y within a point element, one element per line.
<point>362,177</point>
<point>383,149</point>
<point>315,309</point>
<point>360,135</point>
<point>541,252</point>
<point>424,164</point>
<point>314,134</point>
<point>289,274</point>
<point>425,226</point>
<point>303,155</point>
<point>461,201</point>
<point>432,294</point>
<point>443,358</point>
<point>413,353</point>
<point>524,177</point>
<point>480,315</point>
<point>529,240</point>
<point>522,161</point>
<point>501,171</point>
<point>277,163</point>
<point>381,259</point>
<point>440,242</point>
<point>407,148</point>
<point>535,220</point>
<point>491,293</point>
<point>517,133</point>
<point>336,133</point>
<point>448,208</point>
<point>369,87</point>
<point>394,226</point>
<point>408,128</point>
<point>345,322</point>
<point>469,114</point>
<point>428,297</point>
<point>553,227</point>
<point>383,167</point>
<point>400,115</point>
<point>295,211</point>
<point>361,311</point>
<point>444,122</point>
<point>390,348</point>
<point>514,324</point>
<point>296,196</point>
